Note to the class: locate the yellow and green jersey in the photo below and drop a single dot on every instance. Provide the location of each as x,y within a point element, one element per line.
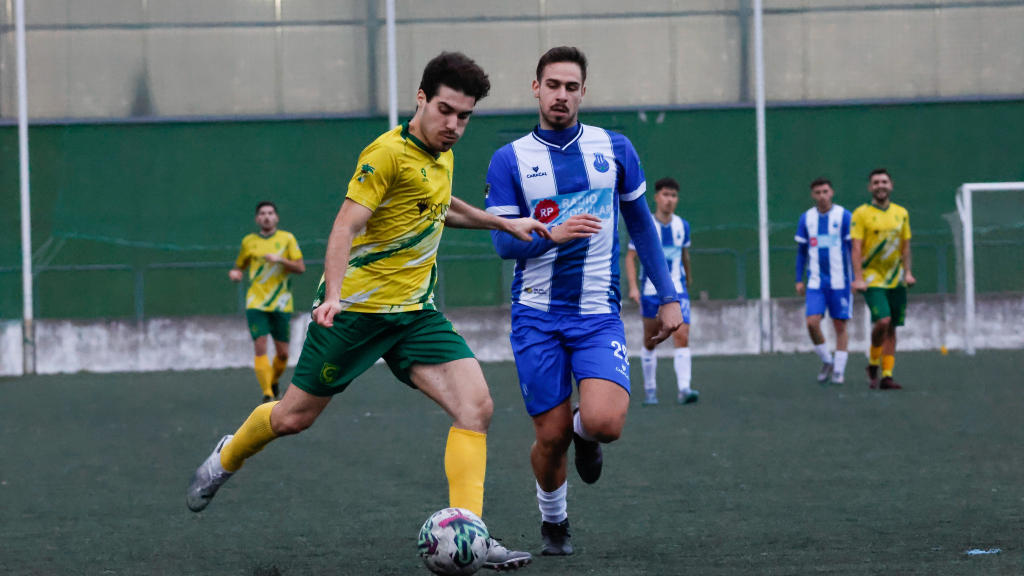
<point>883,233</point>
<point>393,266</point>
<point>270,285</point>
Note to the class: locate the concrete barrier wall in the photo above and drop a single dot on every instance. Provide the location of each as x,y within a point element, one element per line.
<point>718,328</point>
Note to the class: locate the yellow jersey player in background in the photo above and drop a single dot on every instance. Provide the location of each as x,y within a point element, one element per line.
<point>271,255</point>
<point>376,297</point>
<point>881,270</point>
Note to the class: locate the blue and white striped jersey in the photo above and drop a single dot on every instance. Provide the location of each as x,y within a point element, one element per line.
<point>674,237</point>
<point>826,238</point>
<point>590,174</point>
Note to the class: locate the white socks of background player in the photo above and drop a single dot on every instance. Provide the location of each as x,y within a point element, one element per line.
<point>840,363</point>
<point>649,362</point>
<point>683,364</point>
<point>552,504</point>
<point>823,353</point>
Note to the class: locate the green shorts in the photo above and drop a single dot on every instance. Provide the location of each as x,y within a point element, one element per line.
<point>887,303</point>
<point>277,324</point>
<point>333,357</point>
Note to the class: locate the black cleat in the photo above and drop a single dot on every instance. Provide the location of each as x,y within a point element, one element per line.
<point>276,390</point>
<point>267,399</point>
<point>589,459</point>
<point>888,383</point>
<point>873,376</point>
<point>556,538</point>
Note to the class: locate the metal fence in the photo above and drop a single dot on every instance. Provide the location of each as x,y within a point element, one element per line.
<point>740,261</point>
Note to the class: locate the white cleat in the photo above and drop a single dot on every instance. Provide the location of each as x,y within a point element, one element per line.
<point>209,477</point>
<point>502,559</point>
<point>826,370</point>
<point>837,377</point>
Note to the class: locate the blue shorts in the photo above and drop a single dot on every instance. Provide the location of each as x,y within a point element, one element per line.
<point>838,302</point>
<point>552,349</point>
<point>649,306</point>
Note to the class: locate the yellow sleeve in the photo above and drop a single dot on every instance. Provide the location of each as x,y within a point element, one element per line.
<point>242,262</point>
<point>292,251</point>
<point>856,225</point>
<point>375,173</point>
<point>905,232</point>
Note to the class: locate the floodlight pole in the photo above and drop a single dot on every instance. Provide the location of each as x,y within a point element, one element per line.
<point>392,65</point>
<point>28,328</point>
<point>762,179</point>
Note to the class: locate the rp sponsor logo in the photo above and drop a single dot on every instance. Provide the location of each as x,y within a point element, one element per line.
<point>546,211</point>
<point>600,163</point>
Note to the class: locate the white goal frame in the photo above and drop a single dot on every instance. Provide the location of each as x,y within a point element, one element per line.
<point>964,207</point>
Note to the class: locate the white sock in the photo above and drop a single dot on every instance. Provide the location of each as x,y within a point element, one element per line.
<point>823,353</point>
<point>684,367</point>
<point>649,362</point>
<point>552,504</point>
<point>840,366</point>
<point>577,427</point>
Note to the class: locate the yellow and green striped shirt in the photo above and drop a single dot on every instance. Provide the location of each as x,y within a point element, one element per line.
<point>270,284</point>
<point>883,233</point>
<point>393,266</point>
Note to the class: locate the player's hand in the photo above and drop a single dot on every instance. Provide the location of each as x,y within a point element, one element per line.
<point>325,313</point>
<point>859,285</point>
<point>671,318</point>
<point>274,258</point>
<point>909,279</point>
<point>578,226</point>
<point>235,275</point>
<point>522,228</point>
<point>634,294</point>
<point>800,288</point>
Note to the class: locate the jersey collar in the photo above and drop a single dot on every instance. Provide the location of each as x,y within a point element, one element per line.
<point>408,136</point>
<point>573,137</point>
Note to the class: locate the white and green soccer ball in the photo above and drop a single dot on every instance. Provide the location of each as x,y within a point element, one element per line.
<point>454,542</point>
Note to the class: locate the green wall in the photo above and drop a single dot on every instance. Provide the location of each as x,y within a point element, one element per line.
<point>139,194</point>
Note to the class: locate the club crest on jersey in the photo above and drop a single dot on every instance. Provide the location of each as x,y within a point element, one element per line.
<point>814,242</point>
<point>536,173</point>
<point>600,164</point>
<point>364,171</point>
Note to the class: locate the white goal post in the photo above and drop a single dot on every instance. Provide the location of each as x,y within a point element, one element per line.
<point>965,208</point>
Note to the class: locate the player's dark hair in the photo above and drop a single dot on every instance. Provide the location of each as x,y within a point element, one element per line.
<point>563,54</point>
<point>456,71</point>
<point>669,183</point>
<point>820,182</point>
<point>879,171</point>
<point>265,203</point>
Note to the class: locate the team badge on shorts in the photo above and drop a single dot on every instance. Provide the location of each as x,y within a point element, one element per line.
<point>329,373</point>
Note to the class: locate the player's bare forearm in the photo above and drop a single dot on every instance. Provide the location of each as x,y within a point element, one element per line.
<point>858,270</point>
<point>293,266</point>
<point>350,221</point>
<point>686,265</point>
<point>908,276</point>
<point>463,215</point>
<point>631,268</point>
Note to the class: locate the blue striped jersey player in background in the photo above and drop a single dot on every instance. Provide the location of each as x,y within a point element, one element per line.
<point>824,272</point>
<point>565,297</point>
<point>675,244</point>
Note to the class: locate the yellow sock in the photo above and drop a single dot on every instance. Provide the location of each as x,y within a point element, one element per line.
<point>876,356</point>
<point>254,434</point>
<point>279,366</point>
<point>264,374</point>
<point>465,463</point>
<point>888,362</point>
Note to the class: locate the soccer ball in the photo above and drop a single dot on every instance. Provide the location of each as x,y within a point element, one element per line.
<point>454,542</point>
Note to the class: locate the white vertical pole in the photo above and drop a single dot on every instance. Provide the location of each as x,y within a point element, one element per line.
<point>392,66</point>
<point>28,330</point>
<point>762,178</point>
<point>967,220</point>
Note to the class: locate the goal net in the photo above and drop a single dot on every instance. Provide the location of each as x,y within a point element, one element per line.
<point>989,238</point>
